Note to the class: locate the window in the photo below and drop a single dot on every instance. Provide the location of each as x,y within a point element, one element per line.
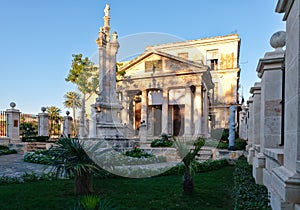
<point>184,55</point>
<point>212,57</point>
<point>152,66</point>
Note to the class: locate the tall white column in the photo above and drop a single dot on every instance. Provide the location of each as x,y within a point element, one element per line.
<point>144,106</point>
<point>188,112</point>
<point>198,113</point>
<point>205,112</point>
<point>165,111</point>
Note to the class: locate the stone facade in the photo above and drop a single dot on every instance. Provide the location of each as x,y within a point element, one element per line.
<point>221,54</point>
<point>169,97</point>
<point>187,87</point>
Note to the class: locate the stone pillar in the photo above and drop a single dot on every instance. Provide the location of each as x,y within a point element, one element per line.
<point>286,178</point>
<point>205,111</point>
<point>93,122</point>
<point>144,107</point>
<point>198,114</point>
<point>243,123</point>
<point>13,123</point>
<point>188,112</point>
<point>269,70</point>
<point>256,94</point>
<point>43,120</point>
<point>165,112</point>
<point>143,132</point>
<point>67,125</point>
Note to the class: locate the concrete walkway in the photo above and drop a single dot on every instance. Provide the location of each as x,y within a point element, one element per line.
<point>13,166</point>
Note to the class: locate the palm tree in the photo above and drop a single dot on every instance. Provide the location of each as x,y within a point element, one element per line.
<point>72,100</point>
<point>72,160</point>
<point>188,155</point>
<point>54,115</point>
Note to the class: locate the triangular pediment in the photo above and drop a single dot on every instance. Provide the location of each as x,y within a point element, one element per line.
<point>160,62</point>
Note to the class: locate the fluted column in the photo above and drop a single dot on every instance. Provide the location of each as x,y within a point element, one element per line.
<point>165,111</point>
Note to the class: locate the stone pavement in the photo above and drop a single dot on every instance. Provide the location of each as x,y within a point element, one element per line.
<point>13,166</point>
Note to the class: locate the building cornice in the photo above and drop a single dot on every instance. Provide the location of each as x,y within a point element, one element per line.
<point>284,6</point>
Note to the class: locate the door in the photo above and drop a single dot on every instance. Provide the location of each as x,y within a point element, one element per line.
<point>178,120</point>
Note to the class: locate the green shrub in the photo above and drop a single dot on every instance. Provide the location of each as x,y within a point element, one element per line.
<point>247,194</point>
<point>138,153</point>
<point>4,150</point>
<point>197,167</point>
<point>40,157</point>
<point>35,139</point>
<point>93,202</point>
<point>239,144</point>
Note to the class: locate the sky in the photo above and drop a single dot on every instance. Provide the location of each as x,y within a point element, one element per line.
<point>38,38</point>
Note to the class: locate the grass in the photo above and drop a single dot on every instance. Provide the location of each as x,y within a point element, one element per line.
<point>213,190</point>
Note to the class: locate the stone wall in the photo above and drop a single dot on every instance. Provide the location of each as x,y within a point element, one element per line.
<point>273,114</point>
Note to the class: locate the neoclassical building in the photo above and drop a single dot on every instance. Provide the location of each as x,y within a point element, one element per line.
<point>182,88</point>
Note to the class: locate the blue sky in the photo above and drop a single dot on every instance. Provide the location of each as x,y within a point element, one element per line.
<point>38,38</point>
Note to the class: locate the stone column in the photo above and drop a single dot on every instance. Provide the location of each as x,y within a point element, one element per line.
<point>242,123</point>
<point>198,111</point>
<point>13,123</point>
<point>188,112</point>
<point>286,178</point>
<point>205,112</point>
<point>250,132</point>
<point>144,107</point>
<point>256,91</point>
<point>67,125</point>
<point>165,112</point>
<point>43,120</point>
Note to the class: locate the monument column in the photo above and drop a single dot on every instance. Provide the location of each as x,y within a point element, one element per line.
<point>43,120</point>
<point>144,106</point>
<point>13,123</point>
<point>165,111</point>
<point>188,112</point>
<point>205,111</point>
<point>198,111</point>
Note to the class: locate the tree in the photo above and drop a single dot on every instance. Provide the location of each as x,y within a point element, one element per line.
<point>72,100</point>
<point>85,76</point>
<point>54,116</point>
<point>188,155</point>
<point>70,159</point>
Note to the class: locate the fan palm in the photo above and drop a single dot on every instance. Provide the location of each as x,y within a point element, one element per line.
<point>54,115</point>
<point>70,159</point>
<point>188,157</point>
<point>72,100</point>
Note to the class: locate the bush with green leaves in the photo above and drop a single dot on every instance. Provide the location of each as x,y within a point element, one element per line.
<point>40,157</point>
<point>247,194</point>
<point>93,202</point>
<point>197,167</point>
<point>138,153</point>
<point>27,177</point>
<point>165,141</point>
<point>239,144</point>
<point>35,139</point>
<point>4,150</point>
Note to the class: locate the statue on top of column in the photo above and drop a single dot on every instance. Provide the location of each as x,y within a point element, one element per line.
<point>106,10</point>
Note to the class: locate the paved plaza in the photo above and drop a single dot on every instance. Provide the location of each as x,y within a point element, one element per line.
<point>14,166</point>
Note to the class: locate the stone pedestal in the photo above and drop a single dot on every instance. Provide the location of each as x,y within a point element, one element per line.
<point>43,126</point>
<point>143,132</point>
<point>13,123</point>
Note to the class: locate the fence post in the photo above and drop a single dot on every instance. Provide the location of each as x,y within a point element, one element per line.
<point>43,126</point>
<point>13,123</point>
